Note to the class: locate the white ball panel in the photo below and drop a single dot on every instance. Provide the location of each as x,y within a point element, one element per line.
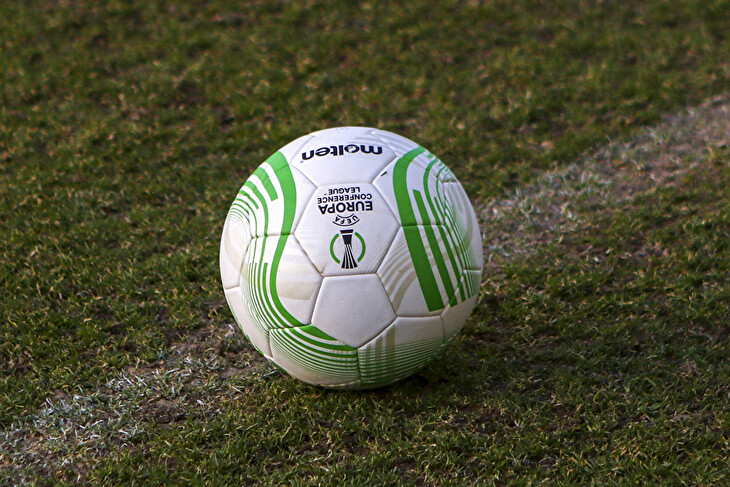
<point>329,226</point>
<point>406,330</point>
<point>297,282</point>
<point>454,317</point>
<point>400,280</point>
<point>397,143</point>
<point>404,347</point>
<point>352,309</point>
<point>234,242</point>
<point>257,336</point>
<point>305,190</point>
<point>383,181</point>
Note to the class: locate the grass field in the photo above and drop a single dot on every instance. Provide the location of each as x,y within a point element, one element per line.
<point>592,137</point>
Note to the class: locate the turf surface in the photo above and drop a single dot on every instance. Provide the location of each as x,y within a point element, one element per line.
<point>599,355</point>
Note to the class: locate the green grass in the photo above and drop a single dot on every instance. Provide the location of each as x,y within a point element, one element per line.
<point>126,128</point>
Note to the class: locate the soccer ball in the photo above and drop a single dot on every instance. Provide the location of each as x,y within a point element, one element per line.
<point>350,257</point>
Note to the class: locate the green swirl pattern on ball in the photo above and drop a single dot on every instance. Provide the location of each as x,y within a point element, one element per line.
<point>446,234</point>
<point>301,342</point>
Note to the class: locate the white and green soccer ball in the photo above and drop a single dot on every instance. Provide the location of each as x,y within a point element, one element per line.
<point>351,257</point>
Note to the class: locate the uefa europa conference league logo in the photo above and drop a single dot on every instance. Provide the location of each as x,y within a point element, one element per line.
<point>344,203</point>
<point>347,246</point>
